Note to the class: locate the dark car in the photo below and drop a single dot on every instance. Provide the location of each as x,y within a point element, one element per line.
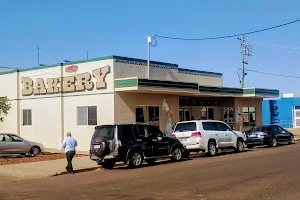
<point>131,144</point>
<point>271,135</point>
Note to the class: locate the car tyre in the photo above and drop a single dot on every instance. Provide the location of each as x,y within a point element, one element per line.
<point>274,142</point>
<point>136,159</point>
<point>177,154</point>
<point>292,140</point>
<point>250,146</point>
<point>239,145</point>
<point>35,151</point>
<point>151,161</point>
<point>108,164</point>
<point>212,149</point>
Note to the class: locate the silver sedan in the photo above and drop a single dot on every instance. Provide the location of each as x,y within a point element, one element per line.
<point>13,144</point>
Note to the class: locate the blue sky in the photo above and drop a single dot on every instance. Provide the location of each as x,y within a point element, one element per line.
<point>65,29</point>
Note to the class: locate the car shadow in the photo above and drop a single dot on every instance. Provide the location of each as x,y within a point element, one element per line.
<point>222,153</point>
<point>145,164</point>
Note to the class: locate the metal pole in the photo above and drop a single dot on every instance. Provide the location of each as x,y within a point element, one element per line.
<point>87,55</point>
<point>38,48</point>
<point>148,61</point>
<point>243,61</point>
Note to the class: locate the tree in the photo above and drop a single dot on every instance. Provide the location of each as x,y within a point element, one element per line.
<point>4,107</point>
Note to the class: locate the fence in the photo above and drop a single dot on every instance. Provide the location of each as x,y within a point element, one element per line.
<point>282,123</point>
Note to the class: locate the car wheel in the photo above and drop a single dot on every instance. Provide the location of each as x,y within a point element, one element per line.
<point>108,164</point>
<point>212,149</point>
<point>177,154</point>
<point>136,159</point>
<point>239,145</point>
<point>274,142</point>
<point>35,151</point>
<point>292,140</point>
<point>151,161</point>
<point>250,146</point>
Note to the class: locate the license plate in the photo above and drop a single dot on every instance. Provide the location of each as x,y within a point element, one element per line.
<point>183,140</point>
<point>252,135</point>
<point>96,146</point>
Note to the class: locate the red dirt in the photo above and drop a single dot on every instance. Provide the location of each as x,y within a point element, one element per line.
<point>9,160</point>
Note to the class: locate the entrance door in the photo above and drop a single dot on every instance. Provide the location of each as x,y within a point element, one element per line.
<point>184,114</point>
<point>296,121</point>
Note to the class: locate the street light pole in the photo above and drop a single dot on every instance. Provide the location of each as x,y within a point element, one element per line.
<point>148,61</point>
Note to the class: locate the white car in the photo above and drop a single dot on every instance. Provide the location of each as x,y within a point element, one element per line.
<point>208,136</point>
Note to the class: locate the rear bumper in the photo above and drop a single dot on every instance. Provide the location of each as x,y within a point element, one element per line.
<point>258,140</point>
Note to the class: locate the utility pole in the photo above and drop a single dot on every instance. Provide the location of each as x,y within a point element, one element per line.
<point>246,50</point>
<point>38,48</point>
<point>87,54</point>
<point>148,61</point>
<point>243,61</point>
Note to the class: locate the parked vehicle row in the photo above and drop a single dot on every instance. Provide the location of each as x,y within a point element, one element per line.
<point>14,144</point>
<point>134,143</point>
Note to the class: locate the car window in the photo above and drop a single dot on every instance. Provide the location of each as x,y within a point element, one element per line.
<point>275,129</point>
<point>279,129</point>
<point>8,139</point>
<point>189,126</point>
<point>143,131</point>
<point>207,126</point>
<point>136,131</point>
<point>104,132</point>
<point>2,138</point>
<point>16,138</point>
<point>125,133</point>
<point>223,127</point>
<point>153,131</point>
<point>215,126</point>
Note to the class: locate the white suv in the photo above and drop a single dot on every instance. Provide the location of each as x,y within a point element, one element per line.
<point>208,136</point>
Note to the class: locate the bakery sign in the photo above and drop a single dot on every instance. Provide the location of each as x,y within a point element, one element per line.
<point>74,83</point>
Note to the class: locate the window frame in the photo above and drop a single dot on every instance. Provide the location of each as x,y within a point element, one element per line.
<point>248,113</point>
<point>87,115</point>
<point>23,122</point>
<point>148,116</point>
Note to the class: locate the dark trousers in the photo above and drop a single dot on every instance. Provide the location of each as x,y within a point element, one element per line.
<point>70,155</point>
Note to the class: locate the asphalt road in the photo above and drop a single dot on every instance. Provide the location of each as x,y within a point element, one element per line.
<point>262,173</point>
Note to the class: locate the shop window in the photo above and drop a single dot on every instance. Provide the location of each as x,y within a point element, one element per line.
<point>249,116</point>
<point>27,117</point>
<point>87,115</point>
<point>207,113</point>
<point>148,114</point>
<point>228,116</point>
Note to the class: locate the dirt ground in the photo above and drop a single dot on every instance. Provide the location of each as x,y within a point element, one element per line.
<point>16,159</point>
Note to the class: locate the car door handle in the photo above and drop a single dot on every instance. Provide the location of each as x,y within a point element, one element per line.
<point>226,135</point>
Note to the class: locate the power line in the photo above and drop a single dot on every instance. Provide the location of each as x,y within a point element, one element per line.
<point>276,45</point>
<point>276,48</point>
<point>287,76</point>
<point>227,36</point>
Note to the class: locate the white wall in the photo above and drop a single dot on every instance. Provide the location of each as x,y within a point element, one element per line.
<point>8,88</point>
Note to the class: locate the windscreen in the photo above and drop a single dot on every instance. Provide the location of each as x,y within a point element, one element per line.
<point>103,133</point>
<point>257,129</point>
<point>183,127</point>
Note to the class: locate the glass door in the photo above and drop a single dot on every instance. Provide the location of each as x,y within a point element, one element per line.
<point>296,116</point>
<point>184,114</point>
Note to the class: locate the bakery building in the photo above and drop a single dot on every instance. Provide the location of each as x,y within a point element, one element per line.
<point>48,101</point>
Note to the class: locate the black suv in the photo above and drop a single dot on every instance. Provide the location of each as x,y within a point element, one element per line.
<point>131,144</point>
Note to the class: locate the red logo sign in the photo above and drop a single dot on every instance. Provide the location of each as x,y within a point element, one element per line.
<point>71,69</point>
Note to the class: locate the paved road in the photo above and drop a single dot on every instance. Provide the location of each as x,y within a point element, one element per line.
<point>263,173</point>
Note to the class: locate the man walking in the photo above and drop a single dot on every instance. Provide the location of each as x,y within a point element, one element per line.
<point>69,145</point>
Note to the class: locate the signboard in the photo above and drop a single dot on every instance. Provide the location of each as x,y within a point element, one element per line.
<point>68,84</point>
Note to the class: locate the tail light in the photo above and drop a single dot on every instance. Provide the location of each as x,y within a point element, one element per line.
<point>264,133</point>
<point>196,134</point>
<point>173,135</point>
